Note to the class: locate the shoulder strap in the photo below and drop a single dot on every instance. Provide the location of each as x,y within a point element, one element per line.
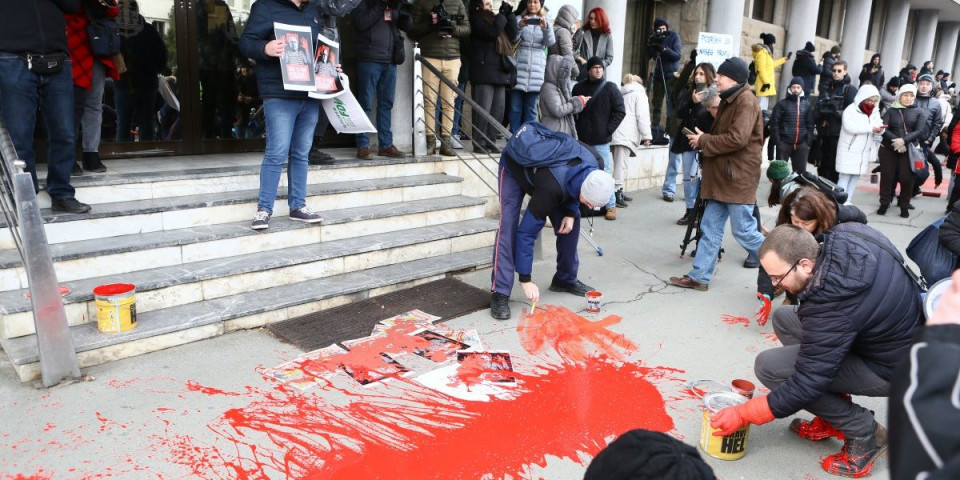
<point>918,279</point>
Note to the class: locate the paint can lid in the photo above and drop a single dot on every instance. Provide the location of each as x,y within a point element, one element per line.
<point>719,400</point>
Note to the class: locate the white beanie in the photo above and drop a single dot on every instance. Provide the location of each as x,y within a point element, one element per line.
<point>597,188</point>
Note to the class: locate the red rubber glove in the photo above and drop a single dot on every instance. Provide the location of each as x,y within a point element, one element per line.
<point>763,313</point>
<point>731,419</point>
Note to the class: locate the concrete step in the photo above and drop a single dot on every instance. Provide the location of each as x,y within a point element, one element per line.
<point>97,257</point>
<point>204,280</point>
<point>116,187</point>
<point>182,324</point>
<point>179,212</point>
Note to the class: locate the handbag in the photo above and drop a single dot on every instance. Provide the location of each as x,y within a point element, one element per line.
<point>104,36</point>
<point>918,159</point>
<point>936,262</point>
<point>508,63</point>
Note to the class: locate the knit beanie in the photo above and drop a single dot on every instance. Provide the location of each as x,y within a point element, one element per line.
<point>778,170</point>
<point>809,47</point>
<point>593,62</point>
<point>797,81</point>
<point>597,188</point>
<point>642,454</point>
<point>895,81</point>
<point>659,22</point>
<point>734,68</point>
<point>835,49</point>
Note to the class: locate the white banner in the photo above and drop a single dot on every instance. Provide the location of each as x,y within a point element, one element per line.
<point>714,48</point>
<point>345,114</point>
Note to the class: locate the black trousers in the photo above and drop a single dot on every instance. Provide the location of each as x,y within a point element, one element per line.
<point>894,169</point>
<point>798,156</point>
<point>828,159</point>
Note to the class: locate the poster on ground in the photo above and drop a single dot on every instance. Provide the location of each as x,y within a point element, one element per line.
<point>714,48</point>
<point>296,62</point>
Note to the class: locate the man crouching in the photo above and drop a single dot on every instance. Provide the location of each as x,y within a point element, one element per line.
<point>559,173</point>
<point>858,311</point>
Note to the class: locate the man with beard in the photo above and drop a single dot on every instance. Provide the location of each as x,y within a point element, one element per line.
<point>844,338</point>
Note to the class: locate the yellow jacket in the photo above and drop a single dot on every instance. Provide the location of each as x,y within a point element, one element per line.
<point>764,63</point>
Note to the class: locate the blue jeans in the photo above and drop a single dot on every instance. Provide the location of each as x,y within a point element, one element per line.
<point>378,79</point>
<point>673,169</point>
<point>604,150</point>
<point>523,108</point>
<point>21,91</point>
<point>743,225</point>
<point>691,178</point>
<point>290,124</point>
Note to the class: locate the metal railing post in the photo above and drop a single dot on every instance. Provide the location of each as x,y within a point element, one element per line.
<point>419,118</point>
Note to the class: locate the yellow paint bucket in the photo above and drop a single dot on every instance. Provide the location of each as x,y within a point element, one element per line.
<point>730,447</point>
<point>116,307</point>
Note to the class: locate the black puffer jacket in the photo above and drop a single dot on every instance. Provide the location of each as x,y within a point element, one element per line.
<point>792,121</point>
<point>950,230</point>
<point>602,114</point>
<point>687,113</point>
<point>805,67</point>
<point>829,114</point>
<point>376,37</point>
<point>860,301</point>
<point>908,123</point>
<point>483,59</point>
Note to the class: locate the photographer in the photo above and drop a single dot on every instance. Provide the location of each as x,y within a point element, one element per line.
<point>379,49</point>
<point>835,96</point>
<point>439,25</point>
<point>663,48</point>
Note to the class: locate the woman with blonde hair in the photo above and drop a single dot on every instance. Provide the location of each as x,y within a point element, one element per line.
<point>633,131</point>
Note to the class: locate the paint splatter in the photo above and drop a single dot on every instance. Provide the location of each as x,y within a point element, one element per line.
<point>394,430</point>
<point>732,320</point>
<point>572,336</point>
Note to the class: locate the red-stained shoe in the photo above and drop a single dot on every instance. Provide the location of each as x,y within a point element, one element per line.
<point>858,455</point>
<point>816,430</point>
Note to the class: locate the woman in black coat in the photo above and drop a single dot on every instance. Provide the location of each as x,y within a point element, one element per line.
<point>906,124</point>
<point>488,77</point>
<point>873,72</point>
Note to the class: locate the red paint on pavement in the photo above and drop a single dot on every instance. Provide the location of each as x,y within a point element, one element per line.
<point>571,335</point>
<point>732,320</point>
<point>35,476</point>
<point>210,391</point>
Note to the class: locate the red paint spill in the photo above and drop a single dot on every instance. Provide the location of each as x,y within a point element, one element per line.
<point>479,367</point>
<point>210,391</point>
<point>407,428</point>
<point>35,476</point>
<point>571,335</point>
<point>732,320</point>
<point>772,338</point>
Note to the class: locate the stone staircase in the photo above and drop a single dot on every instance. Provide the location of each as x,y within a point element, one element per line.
<point>184,239</point>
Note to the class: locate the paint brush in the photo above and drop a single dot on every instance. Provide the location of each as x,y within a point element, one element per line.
<point>533,307</point>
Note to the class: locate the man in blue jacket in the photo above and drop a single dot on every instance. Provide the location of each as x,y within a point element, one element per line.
<point>663,48</point>
<point>846,336</point>
<point>559,173</point>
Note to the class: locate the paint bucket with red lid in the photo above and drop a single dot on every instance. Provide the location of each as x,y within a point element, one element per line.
<point>594,301</point>
<point>116,307</point>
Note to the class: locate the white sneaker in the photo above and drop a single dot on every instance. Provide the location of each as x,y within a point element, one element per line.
<point>455,143</point>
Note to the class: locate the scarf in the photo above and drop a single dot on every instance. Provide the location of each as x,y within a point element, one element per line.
<point>867,108</point>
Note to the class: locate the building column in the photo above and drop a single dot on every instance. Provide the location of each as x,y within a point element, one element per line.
<point>891,45</point>
<point>924,37</point>
<point>854,36</point>
<point>801,28</point>
<point>946,53</point>
<point>616,11</point>
<point>727,17</point>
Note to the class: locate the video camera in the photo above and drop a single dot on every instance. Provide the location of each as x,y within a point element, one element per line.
<point>655,41</point>
<point>828,104</point>
<point>445,21</point>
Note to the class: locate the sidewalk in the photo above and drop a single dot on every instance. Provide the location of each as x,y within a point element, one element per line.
<point>203,411</point>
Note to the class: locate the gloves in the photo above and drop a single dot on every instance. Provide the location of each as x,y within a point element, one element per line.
<point>693,55</point>
<point>505,8</point>
<point>765,87</point>
<point>763,313</point>
<point>899,145</point>
<point>731,419</point>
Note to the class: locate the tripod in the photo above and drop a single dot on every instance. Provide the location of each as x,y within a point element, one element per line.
<point>667,95</point>
<point>694,224</point>
<point>589,236</point>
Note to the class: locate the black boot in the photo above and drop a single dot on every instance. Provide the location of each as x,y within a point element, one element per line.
<point>91,162</point>
<point>686,218</point>
<point>883,209</point>
<point>317,156</point>
<point>500,306</point>
<point>76,171</point>
<point>905,212</point>
<point>857,455</point>
<point>620,200</point>
<point>625,197</point>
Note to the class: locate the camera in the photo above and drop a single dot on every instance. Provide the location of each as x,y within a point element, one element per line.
<point>830,104</point>
<point>445,21</point>
<point>656,40</point>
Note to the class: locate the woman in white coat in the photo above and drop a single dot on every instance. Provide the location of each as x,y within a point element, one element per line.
<point>633,131</point>
<point>858,138</point>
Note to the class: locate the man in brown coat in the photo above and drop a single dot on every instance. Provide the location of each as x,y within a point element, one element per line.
<point>731,172</point>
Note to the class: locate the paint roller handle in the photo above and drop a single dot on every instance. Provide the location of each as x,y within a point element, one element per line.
<point>730,419</point>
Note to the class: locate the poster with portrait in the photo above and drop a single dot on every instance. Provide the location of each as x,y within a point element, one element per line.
<point>296,62</point>
<point>325,75</point>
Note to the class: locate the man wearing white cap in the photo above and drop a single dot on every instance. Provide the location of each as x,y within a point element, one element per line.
<point>559,173</point>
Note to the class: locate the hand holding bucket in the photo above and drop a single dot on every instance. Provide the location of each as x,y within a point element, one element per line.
<point>730,419</point>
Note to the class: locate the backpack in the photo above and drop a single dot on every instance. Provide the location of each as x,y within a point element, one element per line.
<point>536,146</point>
<point>104,36</point>
<point>752,73</point>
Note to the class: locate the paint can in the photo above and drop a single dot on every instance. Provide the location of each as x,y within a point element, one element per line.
<point>116,307</point>
<point>730,447</point>
<point>743,387</point>
<point>594,301</point>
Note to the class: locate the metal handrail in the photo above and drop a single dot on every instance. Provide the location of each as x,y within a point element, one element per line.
<point>8,203</point>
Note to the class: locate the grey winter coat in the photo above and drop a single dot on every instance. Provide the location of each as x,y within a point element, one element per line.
<point>563,30</point>
<point>532,55</point>
<point>934,116</point>
<point>635,127</point>
<point>557,106</point>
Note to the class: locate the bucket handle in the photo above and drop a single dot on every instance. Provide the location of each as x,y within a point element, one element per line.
<point>695,387</point>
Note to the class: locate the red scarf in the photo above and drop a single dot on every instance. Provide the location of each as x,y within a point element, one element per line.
<point>867,108</point>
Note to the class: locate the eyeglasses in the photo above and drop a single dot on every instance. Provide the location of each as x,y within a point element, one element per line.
<point>839,71</point>
<point>780,278</point>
